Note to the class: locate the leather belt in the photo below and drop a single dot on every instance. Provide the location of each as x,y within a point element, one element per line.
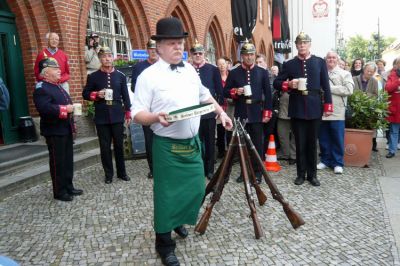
<point>307,92</point>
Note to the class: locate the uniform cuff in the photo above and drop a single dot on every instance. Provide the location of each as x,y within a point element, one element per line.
<point>93,96</point>
<point>285,86</point>
<point>63,112</point>
<point>328,107</point>
<point>128,115</point>
<point>267,114</point>
<point>233,94</point>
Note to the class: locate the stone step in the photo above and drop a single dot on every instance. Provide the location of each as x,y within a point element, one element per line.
<point>40,173</point>
<point>29,161</point>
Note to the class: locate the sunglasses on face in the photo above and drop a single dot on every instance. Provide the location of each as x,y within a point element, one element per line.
<point>197,53</point>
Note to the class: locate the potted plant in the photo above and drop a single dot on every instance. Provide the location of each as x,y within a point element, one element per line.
<point>368,113</point>
<point>125,66</point>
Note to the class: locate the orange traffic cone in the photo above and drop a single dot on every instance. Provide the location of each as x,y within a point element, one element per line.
<point>271,162</point>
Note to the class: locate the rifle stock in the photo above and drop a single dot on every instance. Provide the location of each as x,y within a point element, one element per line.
<point>216,185</point>
<point>256,223</point>
<point>295,218</point>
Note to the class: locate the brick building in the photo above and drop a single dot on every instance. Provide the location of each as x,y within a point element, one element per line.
<point>24,24</point>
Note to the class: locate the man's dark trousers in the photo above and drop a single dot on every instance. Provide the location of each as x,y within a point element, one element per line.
<point>61,163</point>
<point>148,139</point>
<point>106,134</point>
<point>207,137</point>
<point>306,134</point>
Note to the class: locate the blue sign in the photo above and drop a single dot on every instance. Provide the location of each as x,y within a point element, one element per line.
<point>142,55</point>
<point>139,54</point>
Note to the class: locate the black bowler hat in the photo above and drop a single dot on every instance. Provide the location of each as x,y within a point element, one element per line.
<point>169,28</point>
<point>48,62</point>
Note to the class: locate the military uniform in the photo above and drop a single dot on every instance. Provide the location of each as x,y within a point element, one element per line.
<point>306,108</point>
<point>109,118</point>
<point>137,69</point>
<point>211,79</point>
<point>57,126</point>
<point>253,108</point>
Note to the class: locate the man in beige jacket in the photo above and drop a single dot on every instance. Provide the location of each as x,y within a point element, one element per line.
<point>331,135</point>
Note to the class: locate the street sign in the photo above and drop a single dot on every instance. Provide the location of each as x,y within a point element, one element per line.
<point>142,55</point>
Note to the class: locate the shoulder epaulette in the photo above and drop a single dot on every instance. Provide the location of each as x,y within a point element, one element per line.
<point>39,85</point>
<point>121,72</point>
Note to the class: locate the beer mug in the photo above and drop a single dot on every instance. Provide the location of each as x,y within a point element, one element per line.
<point>77,108</point>
<point>247,90</point>
<point>108,96</point>
<point>302,85</point>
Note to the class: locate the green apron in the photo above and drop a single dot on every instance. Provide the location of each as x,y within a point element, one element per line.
<point>179,182</point>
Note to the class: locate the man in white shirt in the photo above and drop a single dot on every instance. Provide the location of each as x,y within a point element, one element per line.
<point>179,180</point>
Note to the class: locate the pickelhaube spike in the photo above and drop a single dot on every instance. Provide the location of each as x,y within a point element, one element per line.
<point>197,47</point>
<point>302,37</point>
<point>248,48</point>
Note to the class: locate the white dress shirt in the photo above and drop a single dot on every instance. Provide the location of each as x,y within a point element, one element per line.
<point>160,89</point>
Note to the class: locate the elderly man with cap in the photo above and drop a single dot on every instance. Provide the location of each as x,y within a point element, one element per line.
<point>211,79</point>
<point>306,79</point>
<point>91,49</point>
<point>179,184</point>
<point>57,126</point>
<point>248,85</point>
<point>137,69</point>
<point>108,89</point>
<point>53,51</point>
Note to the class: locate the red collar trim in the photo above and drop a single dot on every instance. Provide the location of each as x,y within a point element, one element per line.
<point>199,66</point>
<point>106,71</point>
<point>247,67</point>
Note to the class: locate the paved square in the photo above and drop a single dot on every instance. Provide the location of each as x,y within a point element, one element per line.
<point>346,223</point>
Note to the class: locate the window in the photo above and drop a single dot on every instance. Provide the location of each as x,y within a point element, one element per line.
<point>106,21</point>
<point>210,49</point>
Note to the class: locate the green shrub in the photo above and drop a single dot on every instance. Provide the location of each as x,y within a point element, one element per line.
<point>369,112</point>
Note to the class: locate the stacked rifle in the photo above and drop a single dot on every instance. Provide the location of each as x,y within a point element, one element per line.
<point>241,142</point>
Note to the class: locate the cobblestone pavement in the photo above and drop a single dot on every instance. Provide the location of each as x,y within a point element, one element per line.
<point>346,223</point>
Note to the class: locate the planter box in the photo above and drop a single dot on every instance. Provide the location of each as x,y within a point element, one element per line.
<point>357,147</point>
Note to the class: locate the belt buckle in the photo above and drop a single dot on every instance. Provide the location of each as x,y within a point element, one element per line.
<point>249,101</point>
<point>305,93</point>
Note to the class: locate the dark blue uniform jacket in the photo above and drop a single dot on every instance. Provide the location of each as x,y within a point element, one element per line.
<point>261,92</point>
<point>211,79</point>
<point>108,114</point>
<point>137,69</point>
<point>47,98</point>
<point>315,70</point>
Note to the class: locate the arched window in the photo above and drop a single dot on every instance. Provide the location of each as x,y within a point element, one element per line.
<point>210,49</point>
<point>106,21</point>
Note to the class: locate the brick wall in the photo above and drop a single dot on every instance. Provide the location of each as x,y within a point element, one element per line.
<point>69,19</point>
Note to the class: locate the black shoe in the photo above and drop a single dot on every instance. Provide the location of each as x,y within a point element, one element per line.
<point>220,155</point>
<point>299,181</point>
<point>150,175</point>
<point>170,259</point>
<point>108,180</point>
<point>390,155</point>
<point>258,180</point>
<point>292,161</point>
<point>239,179</point>
<point>64,197</point>
<point>374,149</point>
<point>314,181</point>
<point>75,192</point>
<point>181,231</point>
<point>125,178</point>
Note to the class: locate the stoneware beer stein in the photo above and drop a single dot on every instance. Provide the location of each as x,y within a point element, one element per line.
<point>302,85</point>
<point>108,96</point>
<point>247,90</point>
<point>77,108</point>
